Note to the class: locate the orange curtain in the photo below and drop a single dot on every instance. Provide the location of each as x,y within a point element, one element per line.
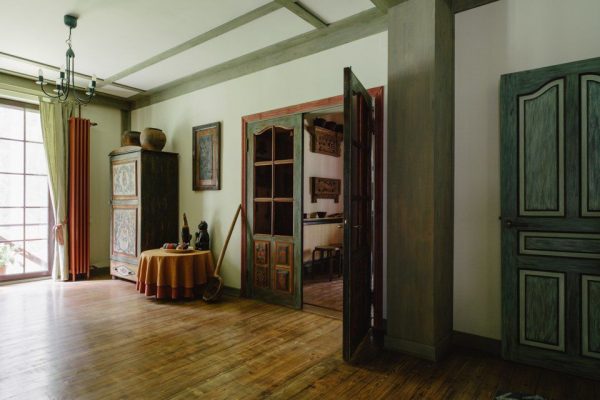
<point>79,198</point>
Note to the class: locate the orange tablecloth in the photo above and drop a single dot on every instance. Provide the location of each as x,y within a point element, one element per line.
<point>173,275</point>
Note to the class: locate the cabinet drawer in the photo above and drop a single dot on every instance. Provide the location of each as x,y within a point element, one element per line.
<point>123,270</point>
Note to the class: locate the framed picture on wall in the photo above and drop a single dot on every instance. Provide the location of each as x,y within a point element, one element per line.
<point>206,157</point>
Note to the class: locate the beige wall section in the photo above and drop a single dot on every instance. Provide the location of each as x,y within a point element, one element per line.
<point>105,137</point>
<point>309,78</point>
<point>502,37</point>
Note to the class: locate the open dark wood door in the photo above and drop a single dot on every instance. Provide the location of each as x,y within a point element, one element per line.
<point>358,227</point>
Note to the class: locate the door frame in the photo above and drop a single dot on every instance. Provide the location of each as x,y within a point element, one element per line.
<point>378,142</point>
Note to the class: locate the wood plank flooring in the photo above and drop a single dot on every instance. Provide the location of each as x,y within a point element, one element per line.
<point>103,340</point>
<point>325,293</point>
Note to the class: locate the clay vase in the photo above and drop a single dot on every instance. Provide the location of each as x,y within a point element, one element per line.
<point>153,139</point>
<point>130,138</point>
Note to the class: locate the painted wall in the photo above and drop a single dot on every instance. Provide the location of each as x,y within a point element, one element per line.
<point>309,78</point>
<point>105,137</point>
<point>502,37</point>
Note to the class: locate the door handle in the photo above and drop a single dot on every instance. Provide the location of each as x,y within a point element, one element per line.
<point>357,227</point>
<point>509,224</point>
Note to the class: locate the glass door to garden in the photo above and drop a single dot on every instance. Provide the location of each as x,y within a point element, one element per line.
<point>25,213</point>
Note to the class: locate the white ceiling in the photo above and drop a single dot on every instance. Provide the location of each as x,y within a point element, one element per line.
<point>113,35</point>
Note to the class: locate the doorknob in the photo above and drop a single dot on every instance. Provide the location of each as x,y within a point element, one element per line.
<point>357,227</point>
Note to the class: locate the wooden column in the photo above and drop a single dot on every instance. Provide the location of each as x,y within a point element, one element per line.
<point>420,177</point>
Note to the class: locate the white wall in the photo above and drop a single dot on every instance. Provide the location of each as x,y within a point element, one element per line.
<point>499,38</point>
<point>309,78</point>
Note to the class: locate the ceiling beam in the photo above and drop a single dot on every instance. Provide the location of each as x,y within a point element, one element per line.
<point>303,13</point>
<point>382,5</point>
<point>341,32</point>
<point>57,70</point>
<point>204,37</point>
<point>464,5</point>
<point>25,84</point>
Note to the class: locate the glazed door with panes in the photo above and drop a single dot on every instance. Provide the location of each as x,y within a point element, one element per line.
<point>274,210</point>
<point>550,174</point>
<point>358,222</point>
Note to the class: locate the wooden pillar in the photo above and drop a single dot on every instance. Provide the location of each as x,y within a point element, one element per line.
<point>420,177</point>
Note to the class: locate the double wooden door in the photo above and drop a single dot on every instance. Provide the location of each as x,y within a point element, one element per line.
<point>550,141</point>
<point>274,213</point>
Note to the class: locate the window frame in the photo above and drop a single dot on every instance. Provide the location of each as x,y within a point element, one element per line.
<point>50,241</point>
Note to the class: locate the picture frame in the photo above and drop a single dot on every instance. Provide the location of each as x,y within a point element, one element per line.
<point>206,157</point>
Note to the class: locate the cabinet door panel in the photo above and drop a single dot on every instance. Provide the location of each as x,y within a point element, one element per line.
<point>125,232</point>
<point>124,179</point>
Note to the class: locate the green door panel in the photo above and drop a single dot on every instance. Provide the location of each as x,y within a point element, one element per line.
<point>550,222</point>
<point>274,210</point>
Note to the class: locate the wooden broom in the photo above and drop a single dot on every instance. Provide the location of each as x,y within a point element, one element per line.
<point>214,287</point>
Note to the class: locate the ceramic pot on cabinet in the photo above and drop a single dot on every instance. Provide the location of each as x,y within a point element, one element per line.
<point>153,139</point>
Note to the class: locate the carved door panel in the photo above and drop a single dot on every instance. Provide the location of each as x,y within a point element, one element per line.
<point>550,167</point>
<point>358,222</point>
<point>274,210</point>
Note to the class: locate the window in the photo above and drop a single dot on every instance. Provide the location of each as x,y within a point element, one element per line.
<point>25,213</point>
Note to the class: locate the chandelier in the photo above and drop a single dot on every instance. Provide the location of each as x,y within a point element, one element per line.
<point>65,83</point>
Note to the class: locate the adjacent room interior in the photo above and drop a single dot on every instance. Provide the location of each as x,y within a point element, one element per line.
<point>300,199</point>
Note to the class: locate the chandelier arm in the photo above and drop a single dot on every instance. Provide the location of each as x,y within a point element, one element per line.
<point>48,94</point>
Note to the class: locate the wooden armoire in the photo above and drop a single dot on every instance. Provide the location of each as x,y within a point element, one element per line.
<point>144,205</point>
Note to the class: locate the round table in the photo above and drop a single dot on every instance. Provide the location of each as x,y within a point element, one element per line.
<point>169,275</point>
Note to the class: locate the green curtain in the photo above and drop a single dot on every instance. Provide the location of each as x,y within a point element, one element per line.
<point>55,130</point>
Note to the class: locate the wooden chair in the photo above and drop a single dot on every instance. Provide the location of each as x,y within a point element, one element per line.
<point>331,251</point>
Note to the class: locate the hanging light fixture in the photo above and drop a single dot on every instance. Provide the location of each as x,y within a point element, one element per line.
<point>65,83</point>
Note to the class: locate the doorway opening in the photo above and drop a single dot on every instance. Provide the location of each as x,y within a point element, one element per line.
<point>323,212</point>
<point>273,266</point>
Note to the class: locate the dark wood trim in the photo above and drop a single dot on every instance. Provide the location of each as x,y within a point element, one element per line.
<point>378,217</point>
<point>317,105</point>
<point>231,291</point>
<point>476,342</point>
<point>464,5</point>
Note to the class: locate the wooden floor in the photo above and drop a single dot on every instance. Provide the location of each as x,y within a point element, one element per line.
<point>103,340</point>
<point>325,293</point>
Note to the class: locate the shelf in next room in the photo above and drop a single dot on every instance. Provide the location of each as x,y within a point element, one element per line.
<point>326,220</point>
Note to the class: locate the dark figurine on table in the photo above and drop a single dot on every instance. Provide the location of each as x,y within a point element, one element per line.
<point>202,238</point>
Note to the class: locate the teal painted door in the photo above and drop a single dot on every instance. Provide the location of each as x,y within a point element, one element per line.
<point>358,220</point>
<point>274,204</point>
<point>550,177</point>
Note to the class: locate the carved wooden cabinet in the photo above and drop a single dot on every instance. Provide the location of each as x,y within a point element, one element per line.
<point>144,205</point>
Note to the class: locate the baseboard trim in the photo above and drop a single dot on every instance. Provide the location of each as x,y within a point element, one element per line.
<point>428,352</point>
<point>231,292</point>
<point>476,342</point>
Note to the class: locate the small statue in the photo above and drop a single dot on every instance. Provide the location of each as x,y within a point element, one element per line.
<point>186,237</point>
<point>202,238</point>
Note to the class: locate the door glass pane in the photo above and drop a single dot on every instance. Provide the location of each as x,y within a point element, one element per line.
<point>36,256</point>
<point>11,156</point>
<point>284,144</point>
<point>12,190</point>
<point>284,219</point>
<point>262,181</point>
<point>11,258</point>
<point>33,126</point>
<point>36,191</point>
<point>11,123</point>
<point>262,218</point>
<point>36,215</point>
<point>11,216</point>
<point>284,180</point>
<point>263,146</point>
<point>36,159</point>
